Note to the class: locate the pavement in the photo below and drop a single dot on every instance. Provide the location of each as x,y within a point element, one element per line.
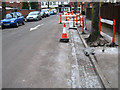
<point>83,71</point>
<point>33,57</point>
<point>107,61</point>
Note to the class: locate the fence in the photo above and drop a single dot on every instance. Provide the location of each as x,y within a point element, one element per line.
<point>108,11</point>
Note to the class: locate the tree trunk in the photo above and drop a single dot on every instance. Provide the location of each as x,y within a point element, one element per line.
<point>3,9</point>
<point>48,4</point>
<point>75,5</point>
<point>94,35</point>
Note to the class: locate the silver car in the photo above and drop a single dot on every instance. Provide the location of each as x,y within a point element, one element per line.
<point>35,15</point>
<point>47,12</point>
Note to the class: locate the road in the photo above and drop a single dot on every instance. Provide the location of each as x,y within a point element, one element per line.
<point>32,56</point>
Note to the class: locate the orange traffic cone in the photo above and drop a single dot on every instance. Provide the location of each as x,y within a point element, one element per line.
<point>64,35</point>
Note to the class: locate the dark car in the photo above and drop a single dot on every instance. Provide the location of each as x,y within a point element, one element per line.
<point>34,15</point>
<point>12,19</point>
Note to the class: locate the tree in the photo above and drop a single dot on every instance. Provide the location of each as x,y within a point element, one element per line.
<point>48,4</point>
<point>34,5</point>
<point>75,7</point>
<point>94,35</point>
<point>3,9</point>
<point>25,5</point>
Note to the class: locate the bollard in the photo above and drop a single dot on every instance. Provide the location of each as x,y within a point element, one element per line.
<point>66,17</point>
<point>73,21</point>
<point>83,25</point>
<point>100,26</point>
<point>60,19</point>
<point>80,19</point>
<point>76,19</point>
<point>63,12</point>
<point>113,40</point>
<point>72,12</point>
<point>69,16</point>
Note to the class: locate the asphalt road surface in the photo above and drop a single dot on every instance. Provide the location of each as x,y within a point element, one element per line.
<point>33,57</point>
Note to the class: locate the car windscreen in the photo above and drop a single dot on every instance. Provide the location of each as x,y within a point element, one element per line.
<point>52,10</point>
<point>33,13</point>
<point>9,16</point>
<point>44,10</point>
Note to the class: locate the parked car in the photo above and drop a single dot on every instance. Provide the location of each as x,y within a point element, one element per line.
<point>34,15</point>
<point>43,14</point>
<point>53,11</point>
<point>47,12</point>
<point>12,19</point>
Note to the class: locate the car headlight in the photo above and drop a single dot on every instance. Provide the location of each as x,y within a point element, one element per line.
<point>12,21</point>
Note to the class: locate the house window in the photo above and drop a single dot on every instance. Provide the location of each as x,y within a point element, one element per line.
<point>42,3</point>
<point>46,3</point>
<point>50,3</point>
<point>62,3</point>
<point>11,1</point>
<point>54,3</point>
<point>18,1</point>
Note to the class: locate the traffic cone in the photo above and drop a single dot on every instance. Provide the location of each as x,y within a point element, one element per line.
<point>64,35</point>
<point>63,12</point>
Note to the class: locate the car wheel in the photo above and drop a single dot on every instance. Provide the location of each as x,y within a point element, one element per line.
<point>3,27</point>
<point>37,19</point>
<point>40,18</point>
<point>23,23</point>
<point>17,24</point>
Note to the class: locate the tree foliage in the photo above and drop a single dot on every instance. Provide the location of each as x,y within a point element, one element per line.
<point>25,5</point>
<point>33,5</point>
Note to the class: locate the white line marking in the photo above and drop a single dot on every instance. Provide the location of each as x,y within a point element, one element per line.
<point>31,29</point>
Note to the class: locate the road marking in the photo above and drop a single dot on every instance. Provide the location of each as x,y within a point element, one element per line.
<point>31,29</point>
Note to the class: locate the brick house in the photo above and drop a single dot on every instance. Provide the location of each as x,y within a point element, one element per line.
<point>17,5</point>
<point>14,3</point>
<point>79,6</point>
